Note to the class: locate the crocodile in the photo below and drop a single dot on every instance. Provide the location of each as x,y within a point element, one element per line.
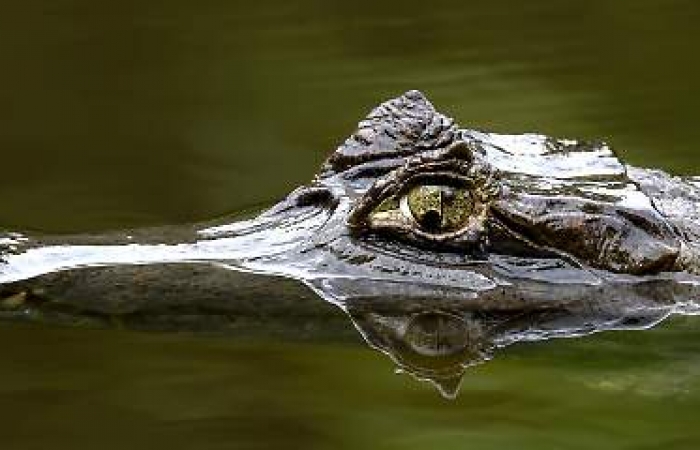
<point>442,244</point>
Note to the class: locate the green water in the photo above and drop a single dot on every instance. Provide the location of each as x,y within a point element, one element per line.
<point>142,113</point>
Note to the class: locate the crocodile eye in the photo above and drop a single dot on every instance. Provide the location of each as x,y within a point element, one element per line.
<point>438,209</point>
<point>437,200</point>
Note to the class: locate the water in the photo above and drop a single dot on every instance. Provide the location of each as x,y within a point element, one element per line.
<point>146,113</point>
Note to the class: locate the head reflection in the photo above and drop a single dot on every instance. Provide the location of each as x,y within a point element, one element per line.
<point>438,344</point>
<point>433,345</point>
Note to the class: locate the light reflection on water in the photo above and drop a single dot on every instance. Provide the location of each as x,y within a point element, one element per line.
<point>216,107</point>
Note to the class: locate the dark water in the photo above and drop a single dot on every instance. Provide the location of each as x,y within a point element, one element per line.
<point>141,113</point>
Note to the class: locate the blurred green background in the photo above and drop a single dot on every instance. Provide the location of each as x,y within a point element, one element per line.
<point>130,113</point>
<point>122,114</point>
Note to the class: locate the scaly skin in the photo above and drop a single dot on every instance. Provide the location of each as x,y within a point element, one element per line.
<point>440,243</point>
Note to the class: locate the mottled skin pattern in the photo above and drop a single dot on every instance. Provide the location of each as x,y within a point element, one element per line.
<point>441,244</point>
<point>421,145</point>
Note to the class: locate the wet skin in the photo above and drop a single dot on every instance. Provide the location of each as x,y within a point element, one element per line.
<point>441,244</point>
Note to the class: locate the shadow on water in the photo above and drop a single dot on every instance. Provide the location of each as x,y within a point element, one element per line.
<point>220,107</point>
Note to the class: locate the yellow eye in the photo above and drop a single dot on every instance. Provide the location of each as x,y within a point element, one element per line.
<point>439,209</point>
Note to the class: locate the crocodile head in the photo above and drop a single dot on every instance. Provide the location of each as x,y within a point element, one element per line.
<point>443,243</point>
<point>411,185</point>
<point>440,243</point>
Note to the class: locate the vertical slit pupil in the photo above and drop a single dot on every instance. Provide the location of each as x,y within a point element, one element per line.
<point>431,220</point>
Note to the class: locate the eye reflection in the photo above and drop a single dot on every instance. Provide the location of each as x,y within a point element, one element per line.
<point>438,209</point>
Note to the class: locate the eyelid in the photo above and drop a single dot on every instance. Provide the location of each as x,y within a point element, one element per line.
<point>401,185</point>
<point>457,166</point>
